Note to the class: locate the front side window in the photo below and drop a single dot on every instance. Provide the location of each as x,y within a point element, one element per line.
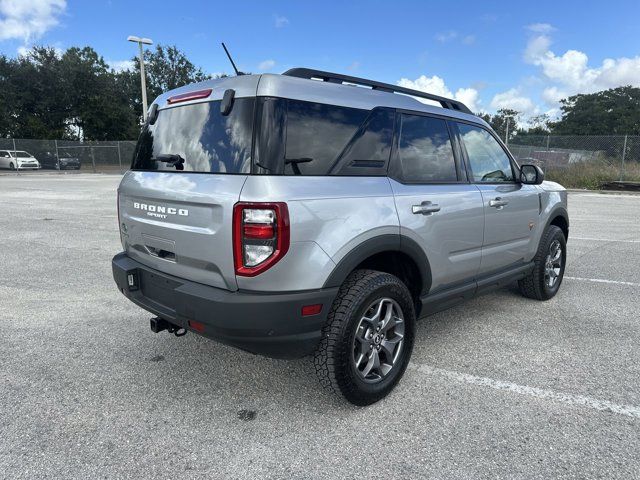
<point>425,152</point>
<point>198,138</point>
<point>488,161</point>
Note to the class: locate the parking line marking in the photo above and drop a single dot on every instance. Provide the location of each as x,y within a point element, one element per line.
<point>541,393</point>
<point>604,240</point>
<point>601,280</point>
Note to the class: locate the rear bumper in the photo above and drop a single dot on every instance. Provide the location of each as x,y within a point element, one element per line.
<point>264,323</point>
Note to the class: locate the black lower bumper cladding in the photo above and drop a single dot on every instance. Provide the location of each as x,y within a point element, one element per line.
<point>270,324</point>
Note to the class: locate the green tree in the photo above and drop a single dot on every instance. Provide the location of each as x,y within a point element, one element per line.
<point>538,125</point>
<point>167,68</point>
<point>610,112</point>
<point>500,120</point>
<point>98,109</point>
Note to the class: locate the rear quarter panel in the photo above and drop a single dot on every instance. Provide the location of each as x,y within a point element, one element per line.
<point>329,217</point>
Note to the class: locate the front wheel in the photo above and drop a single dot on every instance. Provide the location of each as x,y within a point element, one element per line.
<point>544,281</point>
<point>12,166</point>
<point>368,338</point>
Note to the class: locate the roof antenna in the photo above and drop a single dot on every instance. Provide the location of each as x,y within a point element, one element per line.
<point>238,72</point>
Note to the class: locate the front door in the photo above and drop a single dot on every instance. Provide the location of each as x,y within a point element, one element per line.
<point>511,209</point>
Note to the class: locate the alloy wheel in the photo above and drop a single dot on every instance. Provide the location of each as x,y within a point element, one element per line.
<point>378,340</point>
<point>553,264</point>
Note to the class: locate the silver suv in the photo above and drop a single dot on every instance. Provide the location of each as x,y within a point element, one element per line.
<point>317,213</point>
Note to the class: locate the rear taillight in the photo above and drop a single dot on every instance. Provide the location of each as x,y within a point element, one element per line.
<point>260,236</point>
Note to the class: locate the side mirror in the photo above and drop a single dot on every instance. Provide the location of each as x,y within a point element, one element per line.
<point>531,175</point>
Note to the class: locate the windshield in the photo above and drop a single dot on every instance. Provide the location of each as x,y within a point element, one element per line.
<point>22,155</point>
<point>198,138</point>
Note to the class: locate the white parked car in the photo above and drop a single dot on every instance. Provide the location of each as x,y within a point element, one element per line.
<point>18,160</point>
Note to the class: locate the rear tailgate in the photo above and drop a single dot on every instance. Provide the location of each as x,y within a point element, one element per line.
<point>191,161</point>
<point>181,224</point>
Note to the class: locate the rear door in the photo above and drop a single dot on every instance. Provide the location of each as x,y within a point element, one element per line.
<point>436,205</point>
<point>176,204</point>
<point>511,208</point>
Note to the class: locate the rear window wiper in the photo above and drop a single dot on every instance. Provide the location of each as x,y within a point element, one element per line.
<point>294,163</point>
<point>172,159</point>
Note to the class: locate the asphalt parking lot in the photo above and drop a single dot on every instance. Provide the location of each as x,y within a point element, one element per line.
<point>501,386</point>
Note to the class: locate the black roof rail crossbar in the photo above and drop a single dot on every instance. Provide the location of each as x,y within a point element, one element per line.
<point>310,73</point>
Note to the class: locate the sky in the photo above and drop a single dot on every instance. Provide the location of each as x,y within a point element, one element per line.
<point>488,54</point>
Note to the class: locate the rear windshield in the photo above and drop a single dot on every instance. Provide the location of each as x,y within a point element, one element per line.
<point>198,138</point>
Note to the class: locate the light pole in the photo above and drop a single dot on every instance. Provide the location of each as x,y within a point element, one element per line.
<point>143,81</point>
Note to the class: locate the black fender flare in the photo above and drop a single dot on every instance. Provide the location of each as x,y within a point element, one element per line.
<point>381,244</point>
<point>559,211</point>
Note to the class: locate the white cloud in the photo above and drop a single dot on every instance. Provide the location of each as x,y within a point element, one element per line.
<point>121,65</point>
<point>540,28</point>
<point>571,71</point>
<point>436,86</point>
<point>28,20</point>
<point>280,21</point>
<point>513,99</point>
<point>469,40</point>
<point>266,65</point>
<point>446,36</point>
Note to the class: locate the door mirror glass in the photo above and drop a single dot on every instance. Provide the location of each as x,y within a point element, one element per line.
<point>531,175</point>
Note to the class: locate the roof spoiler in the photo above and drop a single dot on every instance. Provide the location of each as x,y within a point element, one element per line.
<point>310,74</point>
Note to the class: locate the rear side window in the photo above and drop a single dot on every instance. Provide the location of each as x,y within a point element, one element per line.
<point>425,152</point>
<point>305,138</point>
<point>198,138</point>
<point>487,159</point>
<point>368,151</point>
<point>317,134</point>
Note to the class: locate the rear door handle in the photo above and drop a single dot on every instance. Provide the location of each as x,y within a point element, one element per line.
<point>498,203</point>
<point>425,208</point>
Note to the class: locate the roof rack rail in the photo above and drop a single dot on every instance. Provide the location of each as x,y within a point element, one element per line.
<point>310,73</point>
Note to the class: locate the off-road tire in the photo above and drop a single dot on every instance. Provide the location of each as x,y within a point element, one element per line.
<point>333,358</point>
<point>534,285</point>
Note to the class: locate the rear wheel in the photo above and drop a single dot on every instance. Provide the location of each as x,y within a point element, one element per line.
<point>544,281</point>
<point>368,339</point>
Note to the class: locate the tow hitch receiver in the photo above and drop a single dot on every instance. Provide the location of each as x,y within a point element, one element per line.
<point>159,324</point>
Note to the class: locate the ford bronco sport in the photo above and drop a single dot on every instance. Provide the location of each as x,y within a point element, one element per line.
<point>318,213</point>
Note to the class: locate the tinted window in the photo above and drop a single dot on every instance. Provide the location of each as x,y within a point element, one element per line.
<point>317,134</point>
<point>369,150</point>
<point>5,154</point>
<point>425,153</point>
<point>487,160</point>
<point>206,140</point>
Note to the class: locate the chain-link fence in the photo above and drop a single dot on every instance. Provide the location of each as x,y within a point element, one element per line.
<point>68,155</point>
<point>582,161</point>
